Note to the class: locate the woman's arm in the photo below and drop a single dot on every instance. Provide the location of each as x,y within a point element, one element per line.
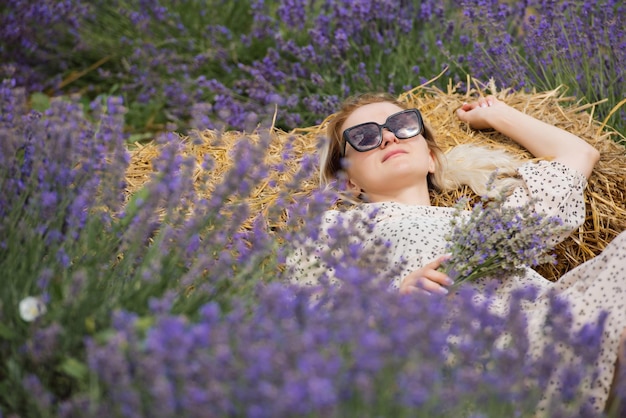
<point>541,139</point>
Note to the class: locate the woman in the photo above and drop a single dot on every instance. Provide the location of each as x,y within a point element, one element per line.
<point>388,158</point>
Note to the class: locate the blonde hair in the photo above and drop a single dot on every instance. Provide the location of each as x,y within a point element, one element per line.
<point>467,164</point>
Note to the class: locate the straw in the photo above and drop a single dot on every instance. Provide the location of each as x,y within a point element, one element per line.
<point>605,195</point>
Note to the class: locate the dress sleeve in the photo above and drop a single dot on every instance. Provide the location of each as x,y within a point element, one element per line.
<point>557,189</point>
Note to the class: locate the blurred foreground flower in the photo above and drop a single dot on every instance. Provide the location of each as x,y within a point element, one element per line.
<point>494,239</point>
<point>31,308</point>
<point>363,351</point>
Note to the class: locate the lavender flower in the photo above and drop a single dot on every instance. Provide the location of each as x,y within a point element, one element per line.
<point>157,52</point>
<point>361,350</point>
<point>497,240</point>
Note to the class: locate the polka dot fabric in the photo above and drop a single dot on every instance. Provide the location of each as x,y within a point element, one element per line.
<point>415,235</point>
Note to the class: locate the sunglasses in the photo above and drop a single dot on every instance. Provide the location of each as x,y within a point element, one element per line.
<point>369,135</point>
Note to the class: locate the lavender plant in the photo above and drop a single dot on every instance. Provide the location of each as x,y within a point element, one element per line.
<point>165,305</point>
<point>38,39</point>
<point>159,305</point>
<point>72,248</point>
<point>232,63</point>
<point>497,240</point>
<point>545,44</point>
<point>361,352</point>
<point>58,171</point>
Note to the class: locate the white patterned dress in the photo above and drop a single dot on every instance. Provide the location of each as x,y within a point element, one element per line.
<point>415,235</point>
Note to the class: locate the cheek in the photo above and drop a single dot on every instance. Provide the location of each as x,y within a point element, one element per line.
<point>357,161</point>
<point>430,159</point>
<point>359,169</point>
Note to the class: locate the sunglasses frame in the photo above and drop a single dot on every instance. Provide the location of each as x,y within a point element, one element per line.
<point>380,131</point>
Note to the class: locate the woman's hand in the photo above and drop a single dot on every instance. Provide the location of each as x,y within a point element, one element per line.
<point>477,114</point>
<point>541,139</point>
<point>427,279</point>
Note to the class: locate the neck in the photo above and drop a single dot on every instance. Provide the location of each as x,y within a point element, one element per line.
<point>413,196</point>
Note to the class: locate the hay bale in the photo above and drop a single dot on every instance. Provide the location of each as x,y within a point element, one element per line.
<point>605,195</point>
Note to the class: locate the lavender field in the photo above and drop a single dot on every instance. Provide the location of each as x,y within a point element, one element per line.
<point>169,303</point>
<point>194,63</point>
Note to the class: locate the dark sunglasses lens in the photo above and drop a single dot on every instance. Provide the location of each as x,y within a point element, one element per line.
<point>364,137</point>
<point>405,125</point>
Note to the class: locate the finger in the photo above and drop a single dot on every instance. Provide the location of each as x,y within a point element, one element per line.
<point>416,282</point>
<point>417,279</point>
<point>431,287</point>
<point>439,277</point>
<point>463,112</point>
<point>469,106</point>
<point>411,279</point>
<point>434,264</point>
<point>412,290</point>
<point>491,100</point>
<point>409,283</point>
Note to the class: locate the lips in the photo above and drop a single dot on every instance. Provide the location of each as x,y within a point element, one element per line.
<point>392,153</point>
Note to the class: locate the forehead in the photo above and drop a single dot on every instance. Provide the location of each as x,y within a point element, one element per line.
<point>373,112</point>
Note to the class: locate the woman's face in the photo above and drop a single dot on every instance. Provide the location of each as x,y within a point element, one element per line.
<point>395,165</point>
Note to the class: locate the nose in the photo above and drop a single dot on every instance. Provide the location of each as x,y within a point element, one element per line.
<point>388,137</point>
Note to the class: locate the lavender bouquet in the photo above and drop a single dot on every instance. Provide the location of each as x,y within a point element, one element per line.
<point>496,240</point>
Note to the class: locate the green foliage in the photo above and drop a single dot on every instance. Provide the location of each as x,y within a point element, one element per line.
<point>162,56</point>
<point>179,38</point>
<point>84,252</point>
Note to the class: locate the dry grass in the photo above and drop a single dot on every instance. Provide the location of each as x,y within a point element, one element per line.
<point>605,195</point>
